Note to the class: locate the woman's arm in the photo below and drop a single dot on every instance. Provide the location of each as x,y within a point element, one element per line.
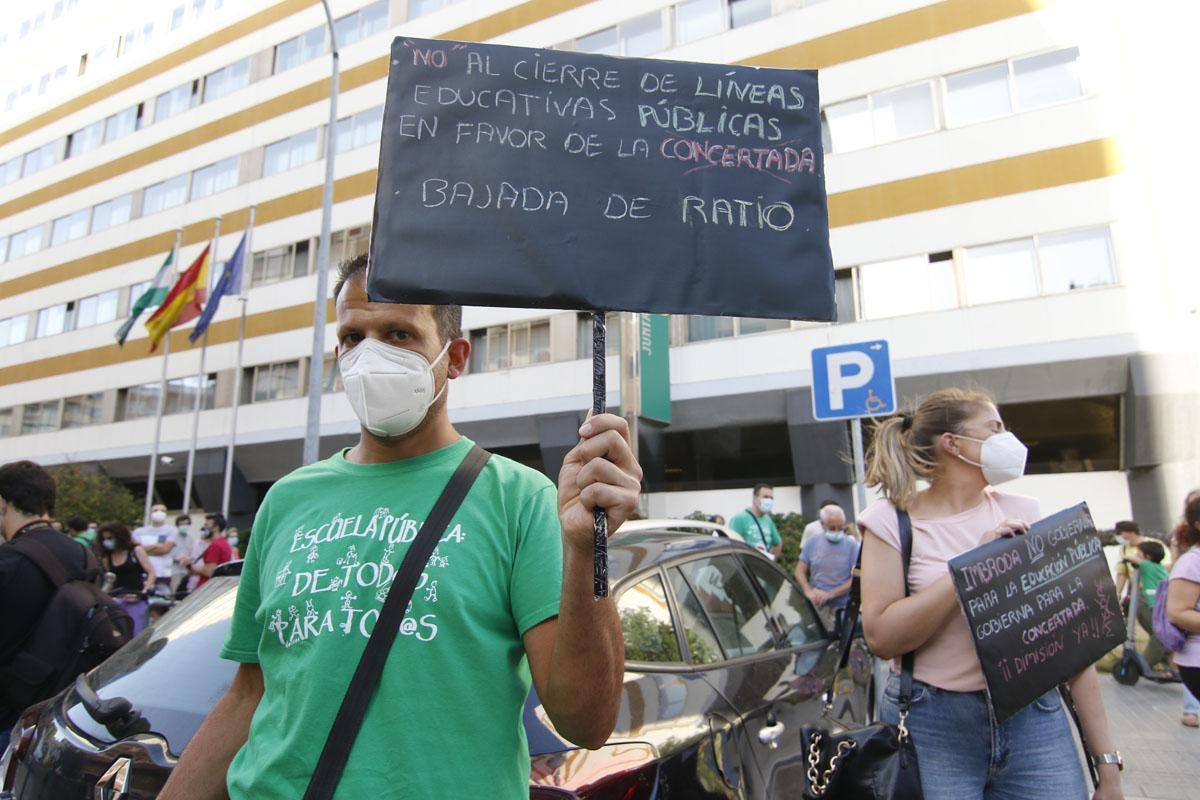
<point>1085,691</point>
<point>1182,596</point>
<point>147,567</point>
<point>892,623</point>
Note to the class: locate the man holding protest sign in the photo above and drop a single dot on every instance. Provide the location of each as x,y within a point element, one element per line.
<point>505,598</point>
<point>956,440</point>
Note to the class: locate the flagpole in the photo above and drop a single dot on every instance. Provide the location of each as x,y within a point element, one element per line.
<point>162,401</point>
<point>201,382</point>
<point>237,373</point>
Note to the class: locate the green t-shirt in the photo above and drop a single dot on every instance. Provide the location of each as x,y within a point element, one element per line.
<point>446,720</point>
<point>744,523</point>
<point>1151,575</point>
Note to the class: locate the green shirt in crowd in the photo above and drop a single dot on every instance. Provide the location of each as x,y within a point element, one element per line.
<point>446,720</point>
<point>756,530</point>
<point>1151,575</point>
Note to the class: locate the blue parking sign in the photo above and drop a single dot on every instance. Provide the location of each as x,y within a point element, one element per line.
<point>853,380</point>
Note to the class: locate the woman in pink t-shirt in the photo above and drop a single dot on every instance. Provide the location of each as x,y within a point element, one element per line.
<point>1183,597</point>
<point>956,441</point>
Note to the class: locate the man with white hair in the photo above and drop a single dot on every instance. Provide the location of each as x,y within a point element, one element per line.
<point>818,525</point>
<point>826,563</point>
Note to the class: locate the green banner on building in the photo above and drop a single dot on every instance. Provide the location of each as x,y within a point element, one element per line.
<point>655,367</point>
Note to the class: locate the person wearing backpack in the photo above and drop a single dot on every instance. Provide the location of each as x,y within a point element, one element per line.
<point>45,596</point>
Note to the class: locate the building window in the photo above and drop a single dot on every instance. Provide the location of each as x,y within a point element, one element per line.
<point>750,325</point>
<point>25,243</point>
<point>8,422</point>
<point>700,329</point>
<point>881,117</point>
<point>1047,78</point>
<point>181,393</point>
<point>363,128</point>
<point>97,309</point>
<point>745,12</point>
<point>14,330</point>
<point>505,346</point>
<point>997,272</point>
<point>177,18</point>
<point>3,249</point>
<point>636,37</point>
<point>53,320</point>
<point>276,382</point>
<point>361,24</point>
<point>70,227</point>
<point>176,101</point>
<point>85,140</point>
<point>40,417</point>
<point>227,79</point>
<point>1075,260</point>
<point>696,19</point>
<point>299,50</point>
<point>349,243</point>
<point>113,212</point>
<point>289,153</point>
<point>978,95</point>
<point>167,194</point>
<point>10,171</point>
<point>141,401</point>
<point>907,286</point>
<point>215,178</point>
<point>122,123</point>
<point>583,334</point>
<point>331,381</point>
<point>43,157</point>
<point>280,263</point>
<point>419,8</point>
<point>85,409</point>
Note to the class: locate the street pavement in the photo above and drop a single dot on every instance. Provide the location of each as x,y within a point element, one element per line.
<point>1162,757</point>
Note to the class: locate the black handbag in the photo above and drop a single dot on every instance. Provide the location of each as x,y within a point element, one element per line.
<point>872,762</point>
<point>332,763</point>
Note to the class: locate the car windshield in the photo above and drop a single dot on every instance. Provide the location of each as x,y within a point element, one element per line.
<point>173,687</point>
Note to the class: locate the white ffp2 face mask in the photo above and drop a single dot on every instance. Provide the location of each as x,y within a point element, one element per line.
<point>1001,457</point>
<point>389,388</point>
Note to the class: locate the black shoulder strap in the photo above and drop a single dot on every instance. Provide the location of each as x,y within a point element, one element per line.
<point>762,535</point>
<point>370,667</point>
<point>853,605</point>
<point>45,559</point>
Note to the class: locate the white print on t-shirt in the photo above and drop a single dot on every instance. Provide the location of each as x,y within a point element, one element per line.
<point>356,571</point>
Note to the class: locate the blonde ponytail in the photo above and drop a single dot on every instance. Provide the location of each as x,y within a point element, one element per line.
<point>903,449</point>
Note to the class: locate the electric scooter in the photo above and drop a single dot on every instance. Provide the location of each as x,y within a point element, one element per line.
<point>1133,664</point>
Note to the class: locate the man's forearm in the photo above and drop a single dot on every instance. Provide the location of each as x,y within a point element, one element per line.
<point>841,590</point>
<point>588,665</point>
<point>200,773</point>
<point>158,549</point>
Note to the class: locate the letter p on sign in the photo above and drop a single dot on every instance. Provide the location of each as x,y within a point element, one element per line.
<point>852,380</point>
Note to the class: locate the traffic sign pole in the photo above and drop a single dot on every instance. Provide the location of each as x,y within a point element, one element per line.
<point>860,470</point>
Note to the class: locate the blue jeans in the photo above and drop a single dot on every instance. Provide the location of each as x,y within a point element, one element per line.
<point>963,755</point>
<point>1190,704</point>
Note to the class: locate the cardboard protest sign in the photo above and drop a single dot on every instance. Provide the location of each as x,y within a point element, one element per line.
<point>1041,607</point>
<point>511,176</point>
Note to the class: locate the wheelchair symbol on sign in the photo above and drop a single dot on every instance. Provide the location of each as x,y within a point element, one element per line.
<point>874,403</point>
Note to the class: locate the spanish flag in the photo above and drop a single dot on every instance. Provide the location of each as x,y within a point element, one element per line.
<point>183,303</point>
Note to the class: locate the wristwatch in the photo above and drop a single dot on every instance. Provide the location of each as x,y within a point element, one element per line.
<point>1109,758</point>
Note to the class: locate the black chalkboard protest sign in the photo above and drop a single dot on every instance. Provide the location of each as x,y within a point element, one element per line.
<point>1041,607</point>
<point>511,176</point>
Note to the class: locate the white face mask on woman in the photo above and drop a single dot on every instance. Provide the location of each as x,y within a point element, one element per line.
<point>1001,457</point>
<point>389,388</point>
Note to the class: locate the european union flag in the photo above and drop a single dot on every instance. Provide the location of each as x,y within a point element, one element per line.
<point>230,283</point>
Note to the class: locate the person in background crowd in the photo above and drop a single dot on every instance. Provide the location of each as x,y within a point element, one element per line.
<point>216,553</point>
<point>191,548</point>
<point>957,442</point>
<point>81,531</point>
<point>56,525</point>
<point>830,510</point>
<point>755,525</point>
<point>1191,704</point>
<point>159,539</point>
<point>826,563</point>
<point>1183,597</point>
<point>718,519</point>
<point>1147,559</point>
<point>27,494</point>
<point>133,568</point>
<point>234,539</point>
<point>817,525</point>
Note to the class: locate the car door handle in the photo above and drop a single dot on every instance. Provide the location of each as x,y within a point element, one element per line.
<point>770,735</point>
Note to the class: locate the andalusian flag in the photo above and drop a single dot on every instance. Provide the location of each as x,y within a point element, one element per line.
<point>152,297</point>
<point>183,303</point>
